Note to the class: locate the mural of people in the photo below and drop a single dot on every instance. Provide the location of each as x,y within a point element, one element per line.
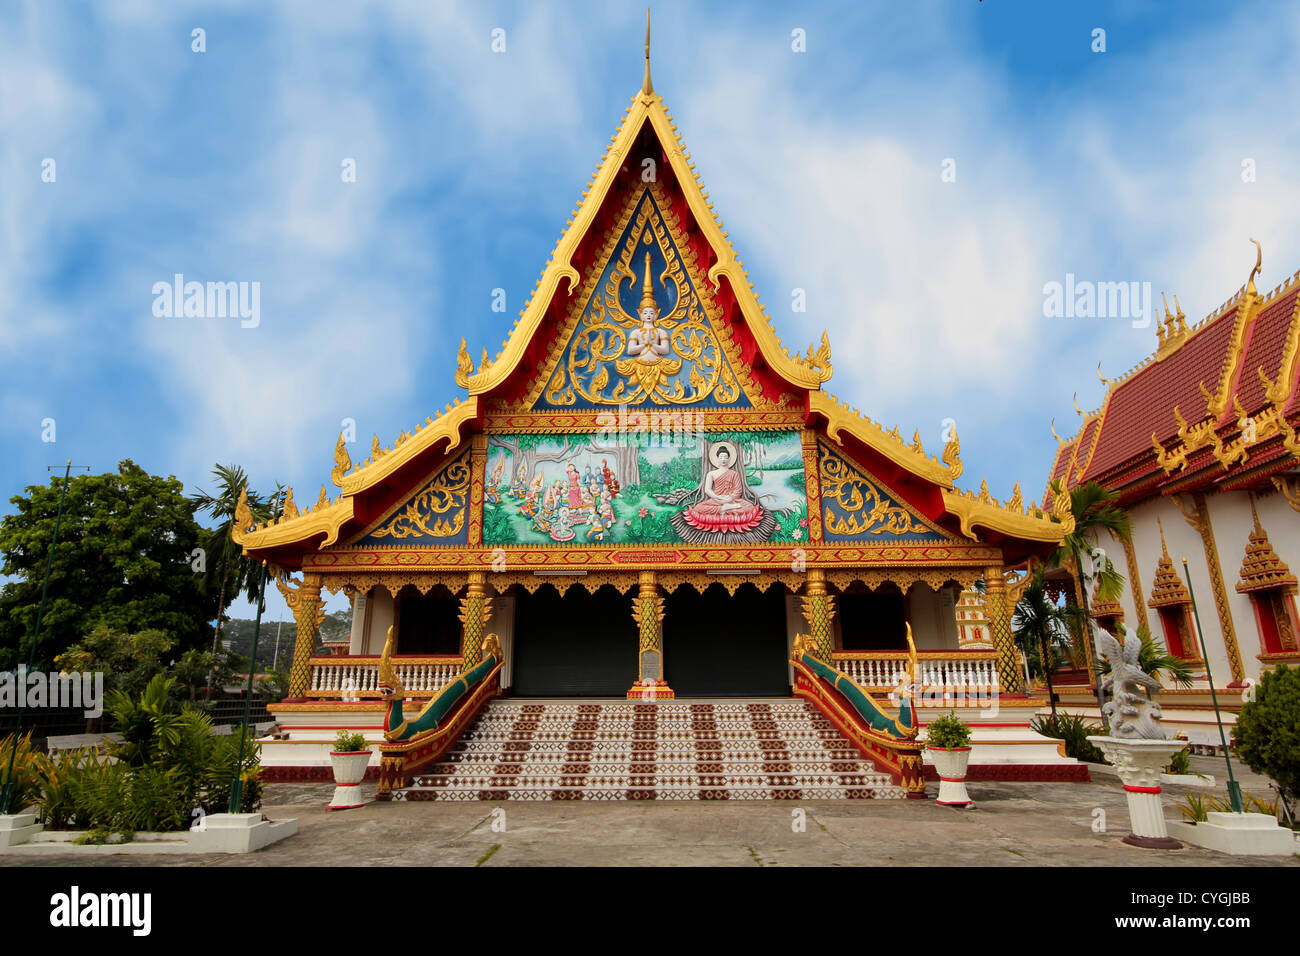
<point>695,488</point>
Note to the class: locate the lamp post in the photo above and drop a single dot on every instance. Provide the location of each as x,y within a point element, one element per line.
<point>1234,788</point>
<point>7,789</point>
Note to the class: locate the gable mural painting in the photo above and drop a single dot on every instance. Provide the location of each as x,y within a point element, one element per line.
<point>710,488</point>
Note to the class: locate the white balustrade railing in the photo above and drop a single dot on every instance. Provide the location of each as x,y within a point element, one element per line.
<point>946,677</point>
<point>358,677</point>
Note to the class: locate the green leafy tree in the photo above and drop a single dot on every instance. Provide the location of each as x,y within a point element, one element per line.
<point>127,661</point>
<point>1268,731</point>
<point>123,561</point>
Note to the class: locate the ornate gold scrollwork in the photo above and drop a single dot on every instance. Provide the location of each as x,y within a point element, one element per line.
<point>446,493</point>
<point>597,367</point>
<point>863,508</point>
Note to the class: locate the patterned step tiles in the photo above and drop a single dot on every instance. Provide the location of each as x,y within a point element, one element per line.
<point>672,750</point>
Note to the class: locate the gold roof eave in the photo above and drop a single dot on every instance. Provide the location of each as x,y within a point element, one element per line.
<point>329,519</point>
<point>326,520</point>
<point>840,418</point>
<point>990,514</point>
<point>448,426</point>
<point>808,373</point>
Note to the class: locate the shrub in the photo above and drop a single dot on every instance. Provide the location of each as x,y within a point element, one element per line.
<point>26,775</point>
<point>1071,729</point>
<point>349,742</point>
<point>63,776</point>
<point>1181,762</point>
<point>1268,730</point>
<point>948,732</point>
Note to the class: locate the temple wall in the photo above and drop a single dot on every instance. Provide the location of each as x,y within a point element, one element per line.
<point>1231,522</point>
<point>380,610</point>
<point>357,639</point>
<point>502,624</point>
<point>933,617</point>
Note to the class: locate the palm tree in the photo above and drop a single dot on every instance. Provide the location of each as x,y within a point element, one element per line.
<point>1096,511</point>
<point>226,564</point>
<point>1039,623</point>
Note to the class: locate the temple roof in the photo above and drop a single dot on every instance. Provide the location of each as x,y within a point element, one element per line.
<point>516,382</point>
<point>1214,406</point>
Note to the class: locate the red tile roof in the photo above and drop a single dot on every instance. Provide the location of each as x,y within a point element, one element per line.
<point>1145,403</point>
<point>1264,348</point>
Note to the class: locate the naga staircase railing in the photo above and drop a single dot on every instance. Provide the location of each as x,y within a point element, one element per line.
<point>411,744</point>
<point>889,742</point>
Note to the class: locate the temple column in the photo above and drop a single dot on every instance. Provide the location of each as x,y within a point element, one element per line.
<point>999,613</point>
<point>475,611</point>
<point>648,612</point>
<point>308,611</point>
<point>819,610</point>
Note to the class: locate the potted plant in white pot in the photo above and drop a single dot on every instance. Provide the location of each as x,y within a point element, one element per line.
<point>947,738</point>
<point>350,757</point>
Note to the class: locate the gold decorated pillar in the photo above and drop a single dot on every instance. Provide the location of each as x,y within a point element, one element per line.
<point>308,611</point>
<point>475,611</point>
<point>1010,676</point>
<point>819,610</point>
<point>648,612</point>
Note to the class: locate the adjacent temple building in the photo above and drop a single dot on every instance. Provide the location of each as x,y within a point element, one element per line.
<point>1201,443</point>
<point>648,530</point>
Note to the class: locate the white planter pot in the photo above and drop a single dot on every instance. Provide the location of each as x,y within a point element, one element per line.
<point>951,767</point>
<point>349,771</point>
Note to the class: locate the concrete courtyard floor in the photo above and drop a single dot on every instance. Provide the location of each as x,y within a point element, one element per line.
<point>1041,824</point>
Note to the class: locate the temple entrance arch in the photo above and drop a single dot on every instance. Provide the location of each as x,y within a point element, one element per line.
<point>723,645</point>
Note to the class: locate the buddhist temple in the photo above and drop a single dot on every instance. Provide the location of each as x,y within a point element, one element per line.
<point>644,515</point>
<point>1200,442</point>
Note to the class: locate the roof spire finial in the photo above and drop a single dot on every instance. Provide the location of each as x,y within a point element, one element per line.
<point>647,86</point>
<point>1163,547</point>
<point>648,289</point>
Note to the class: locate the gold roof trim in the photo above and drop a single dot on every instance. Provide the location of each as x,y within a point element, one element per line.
<point>1261,568</point>
<point>326,519</point>
<point>1013,518</point>
<point>447,425</point>
<point>841,418</point>
<point>647,106</point>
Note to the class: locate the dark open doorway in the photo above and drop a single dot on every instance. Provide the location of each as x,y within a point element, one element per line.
<point>722,645</point>
<point>578,645</point>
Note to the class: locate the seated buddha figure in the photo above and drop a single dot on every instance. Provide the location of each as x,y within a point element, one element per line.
<point>723,505</point>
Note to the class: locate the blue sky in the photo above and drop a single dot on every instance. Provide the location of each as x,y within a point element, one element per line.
<point>825,166</point>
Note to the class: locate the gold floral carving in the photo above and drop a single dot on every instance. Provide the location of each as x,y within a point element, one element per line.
<point>594,367</point>
<point>903,578</point>
<point>438,511</point>
<point>862,507</point>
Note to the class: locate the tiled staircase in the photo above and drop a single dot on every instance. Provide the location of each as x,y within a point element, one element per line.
<point>671,750</point>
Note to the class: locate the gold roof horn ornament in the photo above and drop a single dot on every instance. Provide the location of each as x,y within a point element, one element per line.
<point>1259,262</point>
<point>1077,410</point>
<point>952,454</point>
<point>342,462</point>
<point>1060,442</point>
<point>1106,382</point>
